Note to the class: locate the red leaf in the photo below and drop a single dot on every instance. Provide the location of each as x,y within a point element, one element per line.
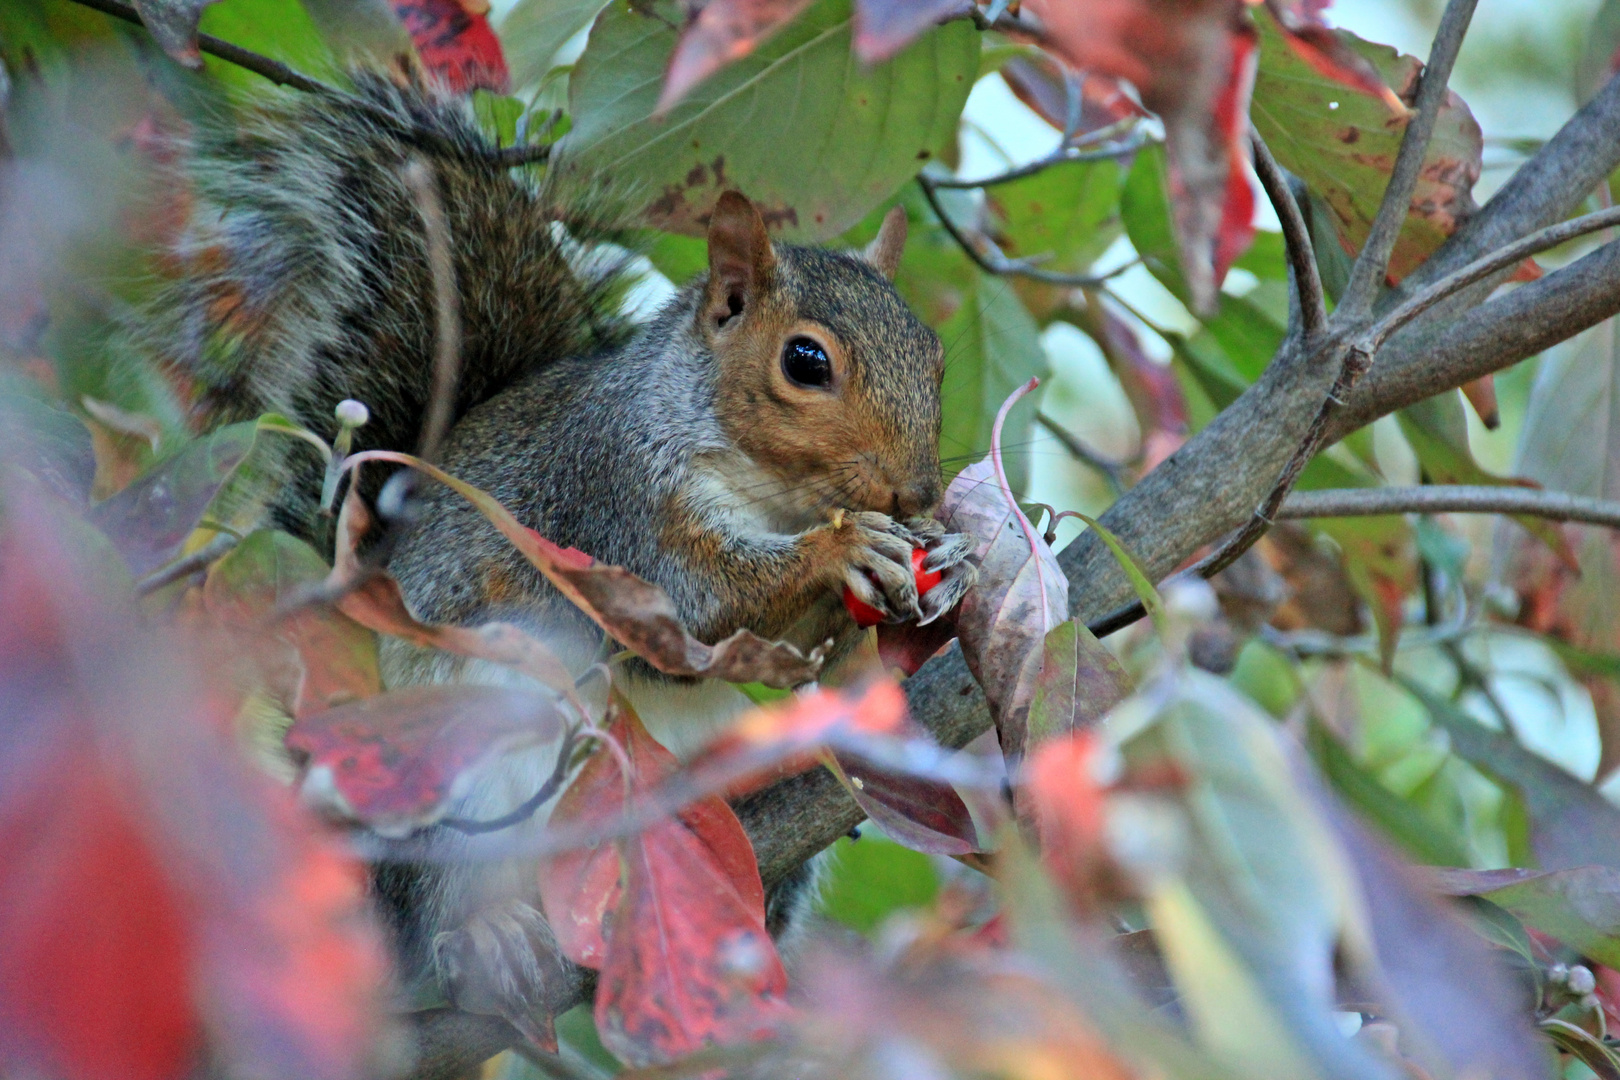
<point>1193,61</point>
<point>159,903</point>
<point>1039,83</point>
<point>690,963</point>
<point>923,814</point>
<point>398,760</point>
<point>723,31</point>
<point>580,888</point>
<point>456,43</point>
<point>1069,804</point>
<point>96,948</point>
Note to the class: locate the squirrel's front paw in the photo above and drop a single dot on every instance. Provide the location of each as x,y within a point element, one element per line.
<point>947,555</point>
<point>876,563</point>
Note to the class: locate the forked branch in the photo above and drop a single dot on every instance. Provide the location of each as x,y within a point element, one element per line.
<point>1301,253</point>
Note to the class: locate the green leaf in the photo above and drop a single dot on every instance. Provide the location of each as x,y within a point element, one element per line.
<point>992,347</point>
<point>533,31</point>
<point>1342,142</point>
<point>1068,213</point>
<point>280,29</point>
<point>1263,869</point>
<point>1571,824</point>
<point>873,877</point>
<point>1239,340</point>
<point>1395,817</point>
<point>1080,680</point>
<point>815,138</point>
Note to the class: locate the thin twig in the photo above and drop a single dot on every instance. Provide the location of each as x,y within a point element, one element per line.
<point>1111,470</point>
<point>274,70</point>
<point>285,75</point>
<point>553,784</point>
<point>994,262</point>
<point>185,567</point>
<point>1371,266</point>
<point>1451,499</point>
<point>1066,152</point>
<point>419,178</point>
<point>1486,265</point>
<point>1301,253</point>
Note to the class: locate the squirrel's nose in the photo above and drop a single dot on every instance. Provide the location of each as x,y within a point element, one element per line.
<point>916,498</point>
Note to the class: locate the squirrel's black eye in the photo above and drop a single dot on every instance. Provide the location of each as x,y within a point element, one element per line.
<point>806,363</point>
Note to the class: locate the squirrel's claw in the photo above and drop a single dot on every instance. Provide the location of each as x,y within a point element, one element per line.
<point>878,567</point>
<point>957,580</point>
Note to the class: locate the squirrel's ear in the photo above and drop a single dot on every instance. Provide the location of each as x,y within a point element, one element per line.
<point>886,247</point>
<point>740,257</point>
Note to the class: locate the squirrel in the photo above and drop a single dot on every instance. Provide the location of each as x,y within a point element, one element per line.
<point>766,439</point>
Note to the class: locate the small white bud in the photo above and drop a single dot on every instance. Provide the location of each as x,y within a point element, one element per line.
<point>1581,980</point>
<point>1558,974</point>
<point>351,413</point>
<point>1190,598</point>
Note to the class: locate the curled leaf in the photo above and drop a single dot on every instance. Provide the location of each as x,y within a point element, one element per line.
<point>1021,593</point>
<point>633,611</point>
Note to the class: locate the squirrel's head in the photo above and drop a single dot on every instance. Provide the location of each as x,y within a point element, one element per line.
<point>827,380</point>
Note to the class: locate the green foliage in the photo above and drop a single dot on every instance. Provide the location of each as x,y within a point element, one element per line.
<point>865,128</point>
<point>872,878</point>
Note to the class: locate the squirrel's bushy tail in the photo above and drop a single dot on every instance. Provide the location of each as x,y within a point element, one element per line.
<point>302,276</point>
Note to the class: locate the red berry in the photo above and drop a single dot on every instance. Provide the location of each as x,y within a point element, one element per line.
<point>867,615</point>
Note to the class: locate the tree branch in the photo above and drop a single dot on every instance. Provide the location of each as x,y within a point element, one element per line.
<point>274,70</point>
<point>1301,253</point>
<point>1371,266</point>
<point>1486,266</point>
<point>1208,487</point>
<point>1451,499</point>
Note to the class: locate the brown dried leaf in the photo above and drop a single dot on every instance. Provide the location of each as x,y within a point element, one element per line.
<point>634,612</point>
<point>1021,595</point>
